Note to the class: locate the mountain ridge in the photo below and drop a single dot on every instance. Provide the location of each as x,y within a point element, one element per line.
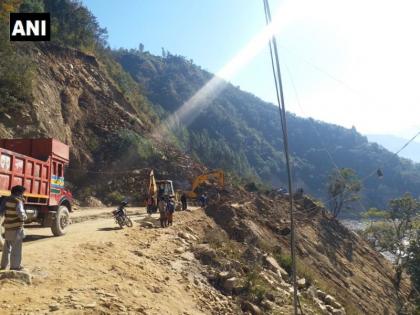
<point>395,143</point>
<point>241,133</point>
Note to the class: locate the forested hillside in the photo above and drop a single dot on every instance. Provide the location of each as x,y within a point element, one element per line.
<point>241,133</point>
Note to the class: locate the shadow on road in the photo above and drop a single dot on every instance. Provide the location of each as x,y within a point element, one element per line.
<point>33,226</point>
<point>109,228</point>
<point>31,237</point>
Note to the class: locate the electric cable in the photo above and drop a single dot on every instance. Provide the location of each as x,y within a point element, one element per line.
<point>282,111</point>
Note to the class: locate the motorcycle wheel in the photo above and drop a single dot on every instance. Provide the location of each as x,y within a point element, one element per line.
<point>128,222</point>
<point>120,222</point>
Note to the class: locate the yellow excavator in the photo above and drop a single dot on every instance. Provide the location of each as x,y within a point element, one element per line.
<point>165,188</point>
<point>215,176</point>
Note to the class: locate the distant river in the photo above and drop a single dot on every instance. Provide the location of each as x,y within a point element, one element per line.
<point>358,225</point>
<point>354,225</point>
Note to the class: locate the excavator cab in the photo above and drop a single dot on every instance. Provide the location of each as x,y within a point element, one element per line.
<point>165,188</point>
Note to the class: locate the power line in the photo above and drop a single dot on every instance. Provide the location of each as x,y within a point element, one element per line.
<point>282,111</point>
<point>335,165</point>
<point>395,153</point>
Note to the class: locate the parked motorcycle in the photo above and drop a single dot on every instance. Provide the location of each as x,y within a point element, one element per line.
<point>121,217</point>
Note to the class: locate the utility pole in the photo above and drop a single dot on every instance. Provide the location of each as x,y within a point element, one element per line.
<point>282,111</point>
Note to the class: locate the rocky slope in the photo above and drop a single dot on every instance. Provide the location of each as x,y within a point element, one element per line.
<point>331,258</point>
<point>220,260</point>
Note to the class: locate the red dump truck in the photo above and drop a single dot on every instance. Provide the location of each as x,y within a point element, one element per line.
<point>38,165</point>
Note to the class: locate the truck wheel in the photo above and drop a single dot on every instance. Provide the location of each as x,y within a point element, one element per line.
<point>61,221</point>
<point>1,234</point>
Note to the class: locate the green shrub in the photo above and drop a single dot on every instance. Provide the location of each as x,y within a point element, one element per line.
<point>256,287</point>
<point>285,261</point>
<point>114,197</point>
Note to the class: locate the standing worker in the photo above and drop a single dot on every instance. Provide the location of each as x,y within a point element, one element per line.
<point>14,217</point>
<point>162,213</point>
<point>184,201</point>
<point>170,209</point>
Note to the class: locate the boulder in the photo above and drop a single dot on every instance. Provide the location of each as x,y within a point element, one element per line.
<point>339,312</point>
<point>179,250</point>
<point>147,224</point>
<point>321,295</point>
<point>205,254</point>
<point>54,307</point>
<point>20,276</point>
<point>232,284</point>
<point>93,202</point>
<point>272,263</point>
<point>270,296</point>
<point>268,305</point>
<point>223,275</point>
<point>187,236</point>
<point>329,300</point>
<point>336,305</point>
<point>90,305</point>
<point>321,306</point>
<point>190,230</point>
<point>301,283</point>
<point>252,308</point>
<point>330,308</point>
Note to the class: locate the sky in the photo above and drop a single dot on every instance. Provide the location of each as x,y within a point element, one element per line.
<point>352,63</point>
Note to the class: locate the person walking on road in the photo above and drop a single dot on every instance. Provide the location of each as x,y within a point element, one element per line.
<point>14,218</point>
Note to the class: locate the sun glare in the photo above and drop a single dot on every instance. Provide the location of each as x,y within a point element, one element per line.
<point>203,97</point>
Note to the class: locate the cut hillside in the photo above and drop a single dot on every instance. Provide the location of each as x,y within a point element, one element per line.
<point>241,133</point>
<point>75,100</point>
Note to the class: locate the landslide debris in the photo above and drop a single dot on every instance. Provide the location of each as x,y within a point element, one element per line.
<point>338,272</point>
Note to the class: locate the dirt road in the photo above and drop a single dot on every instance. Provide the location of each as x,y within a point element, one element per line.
<point>99,268</point>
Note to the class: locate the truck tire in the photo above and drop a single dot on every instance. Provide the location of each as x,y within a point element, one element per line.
<point>61,221</point>
<point>1,234</point>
